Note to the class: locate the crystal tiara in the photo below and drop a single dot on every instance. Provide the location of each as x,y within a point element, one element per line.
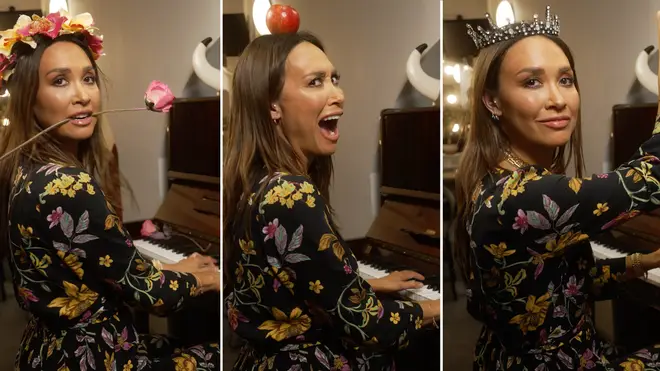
<point>484,38</point>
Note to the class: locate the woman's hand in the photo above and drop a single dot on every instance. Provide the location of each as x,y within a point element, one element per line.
<point>208,280</point>
<point>193,264</point>
<point>431,312</point>
<point>397,281</point>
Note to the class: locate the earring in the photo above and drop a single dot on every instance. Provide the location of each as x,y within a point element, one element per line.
<point>495,117</point>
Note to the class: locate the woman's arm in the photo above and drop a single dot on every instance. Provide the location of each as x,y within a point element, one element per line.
<point>556,211</point>
<point>325,271</point>
<point>79,221</point>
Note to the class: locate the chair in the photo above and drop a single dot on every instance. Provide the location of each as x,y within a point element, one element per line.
<point>448,220</point>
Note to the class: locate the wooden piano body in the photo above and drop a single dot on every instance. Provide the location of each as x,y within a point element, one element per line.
<point>406,232</point>
<point>191,208</point>
<point>636,314</point>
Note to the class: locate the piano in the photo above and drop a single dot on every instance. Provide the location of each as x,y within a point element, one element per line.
<point>405,234</point>
<point>636,312</point>
<point>191,208</point>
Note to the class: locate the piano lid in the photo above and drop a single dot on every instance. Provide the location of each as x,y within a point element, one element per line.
<point>194,139</point>
<point>192,210</point>
<point>410,150</point>
<point>408,227</point>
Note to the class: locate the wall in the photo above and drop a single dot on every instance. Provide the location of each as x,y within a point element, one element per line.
<point>146,40</point>
<point>605,58</point>
<point>369,43</point>
<point>466,8</point>
<point>20,4</point>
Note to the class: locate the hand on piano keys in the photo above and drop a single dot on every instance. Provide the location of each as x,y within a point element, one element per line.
<point>193,264</point>
<point>430,289</point>
<point>203,267</point>
<point>397,281</point>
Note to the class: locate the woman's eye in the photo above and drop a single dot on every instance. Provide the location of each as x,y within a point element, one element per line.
<point>567,81</point>
<point>316,82</point>
<point>59,81</point>
<point>532,83</point>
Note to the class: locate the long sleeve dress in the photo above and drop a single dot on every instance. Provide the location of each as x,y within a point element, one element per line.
<point>536,280</point>
<point>297,297</point>
<point>75,270</point>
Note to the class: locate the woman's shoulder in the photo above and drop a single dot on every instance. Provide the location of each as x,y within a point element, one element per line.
<point>282,181</point>
<point>54,178</point>
<point>289,189</point>
<point>54,171</point>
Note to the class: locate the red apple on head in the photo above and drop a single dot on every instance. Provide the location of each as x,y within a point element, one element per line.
<point>282,19</point>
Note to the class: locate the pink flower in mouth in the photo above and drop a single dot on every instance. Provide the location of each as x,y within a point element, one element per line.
<point>159,97</point>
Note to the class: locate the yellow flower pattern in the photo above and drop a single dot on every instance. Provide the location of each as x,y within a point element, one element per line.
<point>534,279</point>
<point>76,268</point>
<point>302,277</point>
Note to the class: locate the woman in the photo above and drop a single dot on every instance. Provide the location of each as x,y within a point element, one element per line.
<point>295,293</point>
<point>73,263</point>
<point>525,247</point>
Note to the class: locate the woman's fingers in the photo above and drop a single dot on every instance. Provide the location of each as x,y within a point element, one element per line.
<point>410,275</point>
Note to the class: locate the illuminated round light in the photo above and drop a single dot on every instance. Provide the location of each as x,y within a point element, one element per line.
<point>259,11</point>
<point>504,14</point>
<point>455,128</point>
<point>449,70</point>
<point>451,99</point>
<point>54,6</point>
<point>457,73</point>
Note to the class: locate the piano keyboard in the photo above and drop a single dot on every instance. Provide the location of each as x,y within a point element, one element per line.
<point>167,255</point>
<point>430,291</point>
<point>605,250</point>
<point>160,251</point>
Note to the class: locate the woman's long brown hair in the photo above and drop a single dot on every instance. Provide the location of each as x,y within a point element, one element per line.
<point>486,140</point>
<point>252,142</point>
<point>94,156</point>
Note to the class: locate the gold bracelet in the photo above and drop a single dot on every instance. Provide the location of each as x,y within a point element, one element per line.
<point>636,263</point>
<point>157,264</point>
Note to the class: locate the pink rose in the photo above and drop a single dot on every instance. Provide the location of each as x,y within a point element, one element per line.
<point>148,228</point>
<point>159,97</point>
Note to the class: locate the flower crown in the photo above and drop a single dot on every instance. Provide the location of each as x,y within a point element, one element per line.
<point>52,26</point>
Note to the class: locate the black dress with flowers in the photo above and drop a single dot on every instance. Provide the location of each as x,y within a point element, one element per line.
<point>536,280</point>
<point>76,271</point>
<point>297,297</point>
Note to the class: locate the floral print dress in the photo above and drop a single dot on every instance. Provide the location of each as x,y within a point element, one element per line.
<point>76,271</point>
<point>297,296</point>
<point>534,279</point>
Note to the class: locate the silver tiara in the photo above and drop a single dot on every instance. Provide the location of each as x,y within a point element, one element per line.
<point>484,38</point>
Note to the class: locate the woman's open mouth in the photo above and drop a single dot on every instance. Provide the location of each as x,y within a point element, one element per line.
<point>81,120</point>
<point>330,127</point>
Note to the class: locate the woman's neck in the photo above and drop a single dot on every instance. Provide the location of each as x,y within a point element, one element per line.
<point>534,155</point>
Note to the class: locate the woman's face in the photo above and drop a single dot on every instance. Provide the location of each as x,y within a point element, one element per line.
<point>310,103</point>
<point>67,88</point>
<point>537,101</point>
